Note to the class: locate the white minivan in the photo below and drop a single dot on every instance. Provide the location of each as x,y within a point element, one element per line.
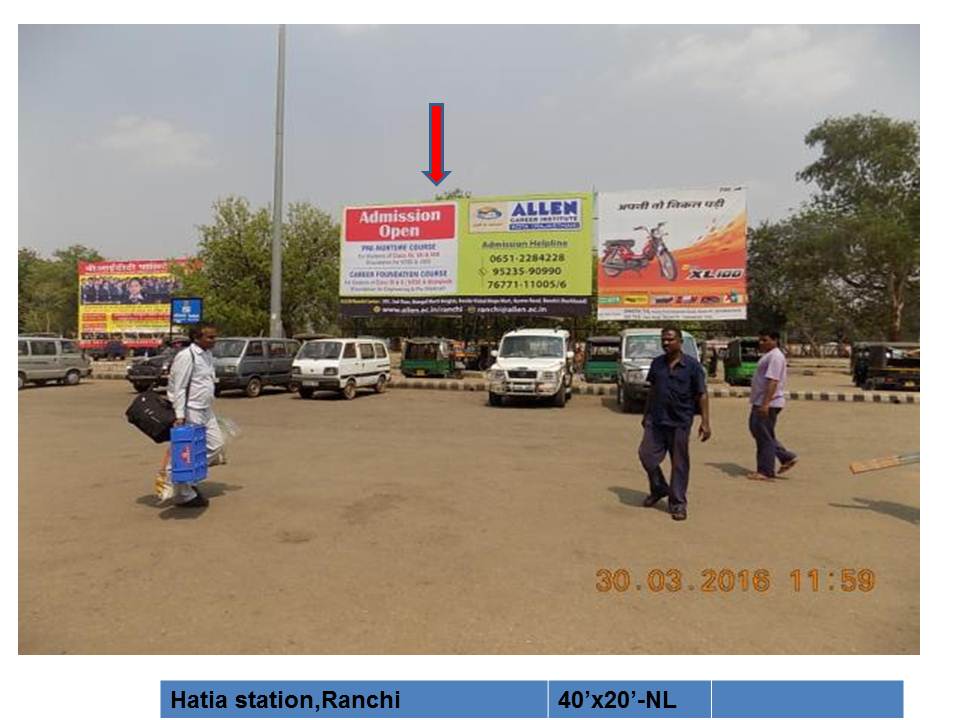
<point>342,364</point>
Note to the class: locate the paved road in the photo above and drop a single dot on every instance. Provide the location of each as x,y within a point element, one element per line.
<point>427,522</point>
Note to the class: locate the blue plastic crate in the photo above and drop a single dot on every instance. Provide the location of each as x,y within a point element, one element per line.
<point>188,453</point>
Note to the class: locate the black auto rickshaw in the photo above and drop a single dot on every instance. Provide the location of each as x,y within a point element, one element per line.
<point>887,365</point>
<point>859,362</point>
<point>430,357</point>
<point>602,356</point>
<point>743,355</point>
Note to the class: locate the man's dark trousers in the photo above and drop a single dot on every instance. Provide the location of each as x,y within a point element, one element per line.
<point>769,448</point>
<point>657,441</point>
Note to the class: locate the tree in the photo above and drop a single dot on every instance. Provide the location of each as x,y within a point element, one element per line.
<point>789,286</point>
<point>232,272</point>
<point>454,194</point>
<point>48,290</point>
<point>868,208</point>
<point>311,270</point>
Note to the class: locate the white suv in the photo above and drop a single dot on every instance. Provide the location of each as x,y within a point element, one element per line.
<point>532,363</point>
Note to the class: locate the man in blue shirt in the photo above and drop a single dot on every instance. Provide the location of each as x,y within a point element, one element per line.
<point>677,390</point>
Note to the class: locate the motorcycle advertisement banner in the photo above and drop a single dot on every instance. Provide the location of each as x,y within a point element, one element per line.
<point>672,254</point>
<point>519,255</point>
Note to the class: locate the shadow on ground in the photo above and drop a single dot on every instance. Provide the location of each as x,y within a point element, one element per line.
<point>896,510</point>
<point>172,512</point>
<point>731,469</point>
<point>633,498</point>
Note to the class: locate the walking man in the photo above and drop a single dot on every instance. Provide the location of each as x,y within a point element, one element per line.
<point>190,391</point>
<point>766,402</point>
<point>677,389</point>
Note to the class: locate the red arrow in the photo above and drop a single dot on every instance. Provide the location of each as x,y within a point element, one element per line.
<point>436,174</point>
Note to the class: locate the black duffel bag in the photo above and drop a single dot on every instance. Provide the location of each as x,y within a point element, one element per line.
<point>153,415</point>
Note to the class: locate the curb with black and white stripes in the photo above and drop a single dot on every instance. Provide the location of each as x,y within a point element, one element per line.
<point>611,390</point>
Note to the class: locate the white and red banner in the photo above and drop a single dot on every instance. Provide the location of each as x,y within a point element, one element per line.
<point>399,250</point>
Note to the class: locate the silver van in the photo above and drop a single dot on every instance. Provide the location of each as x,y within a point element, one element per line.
<point>45,359</point>
<point>250,363</point>
<point>638,348</point>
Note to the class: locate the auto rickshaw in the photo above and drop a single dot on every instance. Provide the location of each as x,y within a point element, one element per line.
<point>888,365</point>
<point>859,362</point>
<point>430,357</point>
<point>602,356</point>
<point>743,354</point>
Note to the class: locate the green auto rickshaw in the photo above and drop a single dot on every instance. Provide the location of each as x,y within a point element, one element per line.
<point>602,356</point>
<point>430,357</point>
<point>743,354</point>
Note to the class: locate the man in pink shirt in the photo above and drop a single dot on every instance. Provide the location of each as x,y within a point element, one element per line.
<point>766,401</point>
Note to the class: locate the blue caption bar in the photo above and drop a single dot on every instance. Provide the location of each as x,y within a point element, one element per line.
<point>532,699</point>
<point>353,699</point>
<point>629,699</point>
<point>797,699</point>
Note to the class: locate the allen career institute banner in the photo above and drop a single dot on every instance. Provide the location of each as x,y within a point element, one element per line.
<point>672,254</point>
<point>520,255</point>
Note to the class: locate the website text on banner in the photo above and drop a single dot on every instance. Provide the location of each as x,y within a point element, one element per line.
<point>672,254</point>
<point>509,255</point>
<point>125,300</point>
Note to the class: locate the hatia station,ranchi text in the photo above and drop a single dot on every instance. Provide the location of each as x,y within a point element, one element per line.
<point>277,699</point>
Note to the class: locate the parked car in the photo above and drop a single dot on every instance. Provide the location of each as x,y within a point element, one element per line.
<point>532,363</point>
<point>342,364</point>
<point>153,371</point>
<point>639,346</point>
<point>251,363</point>
<point>45,359</point>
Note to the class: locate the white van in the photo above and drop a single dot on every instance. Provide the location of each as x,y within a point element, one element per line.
<point>342,364</point>
<point>532,363</point>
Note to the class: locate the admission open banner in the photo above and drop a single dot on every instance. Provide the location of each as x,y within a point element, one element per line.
<point>672,254</point>
<point>519,255</point>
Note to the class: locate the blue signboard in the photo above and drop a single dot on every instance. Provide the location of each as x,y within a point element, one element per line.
<point>185,311</point>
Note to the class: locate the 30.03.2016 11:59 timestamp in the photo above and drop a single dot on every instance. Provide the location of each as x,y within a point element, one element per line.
<point>725,580</point>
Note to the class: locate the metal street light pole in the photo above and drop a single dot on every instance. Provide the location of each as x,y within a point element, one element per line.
<point>276,273</point>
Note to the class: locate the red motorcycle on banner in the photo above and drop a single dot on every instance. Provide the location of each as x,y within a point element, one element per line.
<point>618,255</point>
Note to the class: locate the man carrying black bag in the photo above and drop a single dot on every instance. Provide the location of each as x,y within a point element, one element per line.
<point>190,391</point>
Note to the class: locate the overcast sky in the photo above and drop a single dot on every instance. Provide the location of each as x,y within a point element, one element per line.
<point>128,134</point>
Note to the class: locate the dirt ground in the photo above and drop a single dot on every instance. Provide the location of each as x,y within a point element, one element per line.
<point>424,521</point>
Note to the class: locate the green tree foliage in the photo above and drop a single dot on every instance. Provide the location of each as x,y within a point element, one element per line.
<point>868,212</point>
<point>232,273</point>
<point>454,194</point>
<point>47,289</point>
<point>311,271</point>
<point>789,285</point>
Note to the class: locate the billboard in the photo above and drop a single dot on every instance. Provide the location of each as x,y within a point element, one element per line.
<point>513,255</point>
<point>125,300</point>
<point>672,254</point>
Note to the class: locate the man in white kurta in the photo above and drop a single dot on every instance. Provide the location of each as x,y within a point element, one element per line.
<point>194,366</point>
